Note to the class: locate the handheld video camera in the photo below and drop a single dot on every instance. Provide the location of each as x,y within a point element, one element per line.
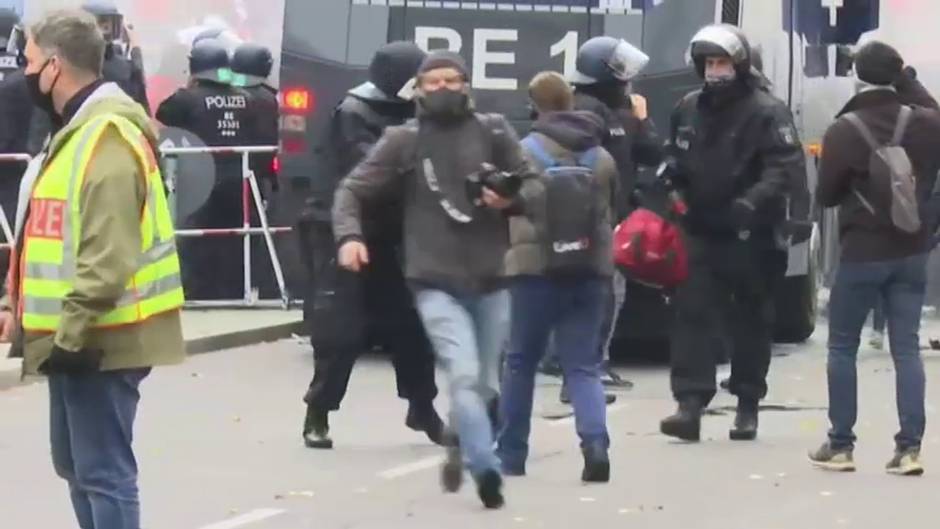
<point>502,183</point>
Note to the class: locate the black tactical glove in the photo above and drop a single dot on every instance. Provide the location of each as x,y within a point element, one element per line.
<point>742,214</point>
<point>65,362</point>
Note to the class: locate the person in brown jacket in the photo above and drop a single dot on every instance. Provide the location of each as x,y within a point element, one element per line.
<point>95,292</point>
<point>879,259</point>
<point>561,265</point>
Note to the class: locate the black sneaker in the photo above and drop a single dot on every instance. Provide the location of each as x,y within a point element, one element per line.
<point>490,489</point>
<point>422,417</point>
<point>317,430</point>
<point>452,470</point>
<point>835,459</point>
<point>610,378</point>
<point>906,463</point>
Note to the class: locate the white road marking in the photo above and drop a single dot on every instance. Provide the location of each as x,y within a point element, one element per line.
<point>249,517</point>
<point>411,468</point>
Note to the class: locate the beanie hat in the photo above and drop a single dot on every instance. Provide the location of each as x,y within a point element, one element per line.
<point>878,64</point>
<point>395,64</point>
<point>444,59</point>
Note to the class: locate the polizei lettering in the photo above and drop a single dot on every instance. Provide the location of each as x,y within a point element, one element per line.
<point>231,102</point>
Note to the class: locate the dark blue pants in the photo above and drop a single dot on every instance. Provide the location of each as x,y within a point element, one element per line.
<point>572,309</point>
<point>901,285</point>
<point>91,429</point>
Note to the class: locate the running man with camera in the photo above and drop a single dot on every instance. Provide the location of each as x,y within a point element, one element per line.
<point>460,175</point>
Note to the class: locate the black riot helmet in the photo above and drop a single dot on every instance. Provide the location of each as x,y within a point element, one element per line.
<point>209,60</point>
<point>721,40</point>
<point>606,59</point>
<point>254,62</point>
<point>109,17</point>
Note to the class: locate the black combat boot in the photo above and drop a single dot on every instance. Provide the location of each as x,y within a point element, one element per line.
<point>422,417</point>
<point>317,429</point>
<point>596,464</point>
<point>686,423</point>
<point>745,421</point>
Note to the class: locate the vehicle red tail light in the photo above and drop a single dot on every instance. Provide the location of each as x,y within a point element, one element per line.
<point>276,165</point>
<point>298,100</point>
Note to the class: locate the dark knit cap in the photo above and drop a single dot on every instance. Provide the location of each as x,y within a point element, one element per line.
<point>878,63</point>
<point>444,59</point>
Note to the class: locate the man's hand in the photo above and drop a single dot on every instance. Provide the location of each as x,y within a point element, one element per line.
<point>494,201</point>
<point>353,255</point>
<point>61,361</point>
<point>7,322</point>
<point>639,106</point>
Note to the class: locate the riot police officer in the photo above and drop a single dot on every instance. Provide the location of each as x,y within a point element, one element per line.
<point>605,68</point>
<point>16,108</point>
<point>123,60</point>
<point>218,114</point>
<point>350,311</point>
<point>251,64</point>
<point>735,152</point>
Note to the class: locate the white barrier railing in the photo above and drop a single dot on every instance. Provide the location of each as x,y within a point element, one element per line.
<point>251,193</point>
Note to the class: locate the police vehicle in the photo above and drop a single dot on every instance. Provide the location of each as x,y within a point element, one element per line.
<point>329,43</point>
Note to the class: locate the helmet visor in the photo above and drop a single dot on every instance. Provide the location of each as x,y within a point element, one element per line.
<point>627,61</point>
<point>720,37</point>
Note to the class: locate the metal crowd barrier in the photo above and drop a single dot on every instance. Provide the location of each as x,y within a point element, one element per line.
<point>4,223</point>
<point>251,193</point>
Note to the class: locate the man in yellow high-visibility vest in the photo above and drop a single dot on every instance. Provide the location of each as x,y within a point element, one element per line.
<point>94,291</point>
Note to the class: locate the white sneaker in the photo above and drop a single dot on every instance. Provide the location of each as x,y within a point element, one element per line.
<point>877,340</point>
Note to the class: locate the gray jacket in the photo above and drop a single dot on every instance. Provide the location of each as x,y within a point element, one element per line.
<point>461,257</point>
<point>565,135</point>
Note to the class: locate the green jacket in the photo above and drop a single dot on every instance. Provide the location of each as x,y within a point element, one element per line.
<point>112,198</point>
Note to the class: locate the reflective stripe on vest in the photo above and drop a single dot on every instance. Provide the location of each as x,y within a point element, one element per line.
<point>53,232</point>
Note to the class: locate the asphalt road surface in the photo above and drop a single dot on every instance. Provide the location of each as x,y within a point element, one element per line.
<point>219,445</point>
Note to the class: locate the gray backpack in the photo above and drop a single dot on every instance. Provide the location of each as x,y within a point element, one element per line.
<point>891,172</point>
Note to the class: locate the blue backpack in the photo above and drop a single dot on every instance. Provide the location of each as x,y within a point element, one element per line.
<point>572,216</point>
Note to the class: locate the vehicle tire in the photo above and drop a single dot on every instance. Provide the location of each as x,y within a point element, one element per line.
<point>796,308</point>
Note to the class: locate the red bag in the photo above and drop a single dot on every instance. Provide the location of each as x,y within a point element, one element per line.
<point>650,249</point>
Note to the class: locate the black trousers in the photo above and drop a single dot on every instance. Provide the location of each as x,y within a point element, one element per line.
<point>351,312</point>
<point>728,298</point>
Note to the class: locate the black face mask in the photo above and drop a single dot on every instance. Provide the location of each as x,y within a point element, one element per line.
<point>445,105</point>
<point>42,99</point>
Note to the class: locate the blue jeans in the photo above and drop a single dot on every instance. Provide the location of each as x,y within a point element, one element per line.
<point>571,309</point>
<point>91,429</point>
<point>613,302</point>
<point>469,334</point>
<point>901,285</point>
